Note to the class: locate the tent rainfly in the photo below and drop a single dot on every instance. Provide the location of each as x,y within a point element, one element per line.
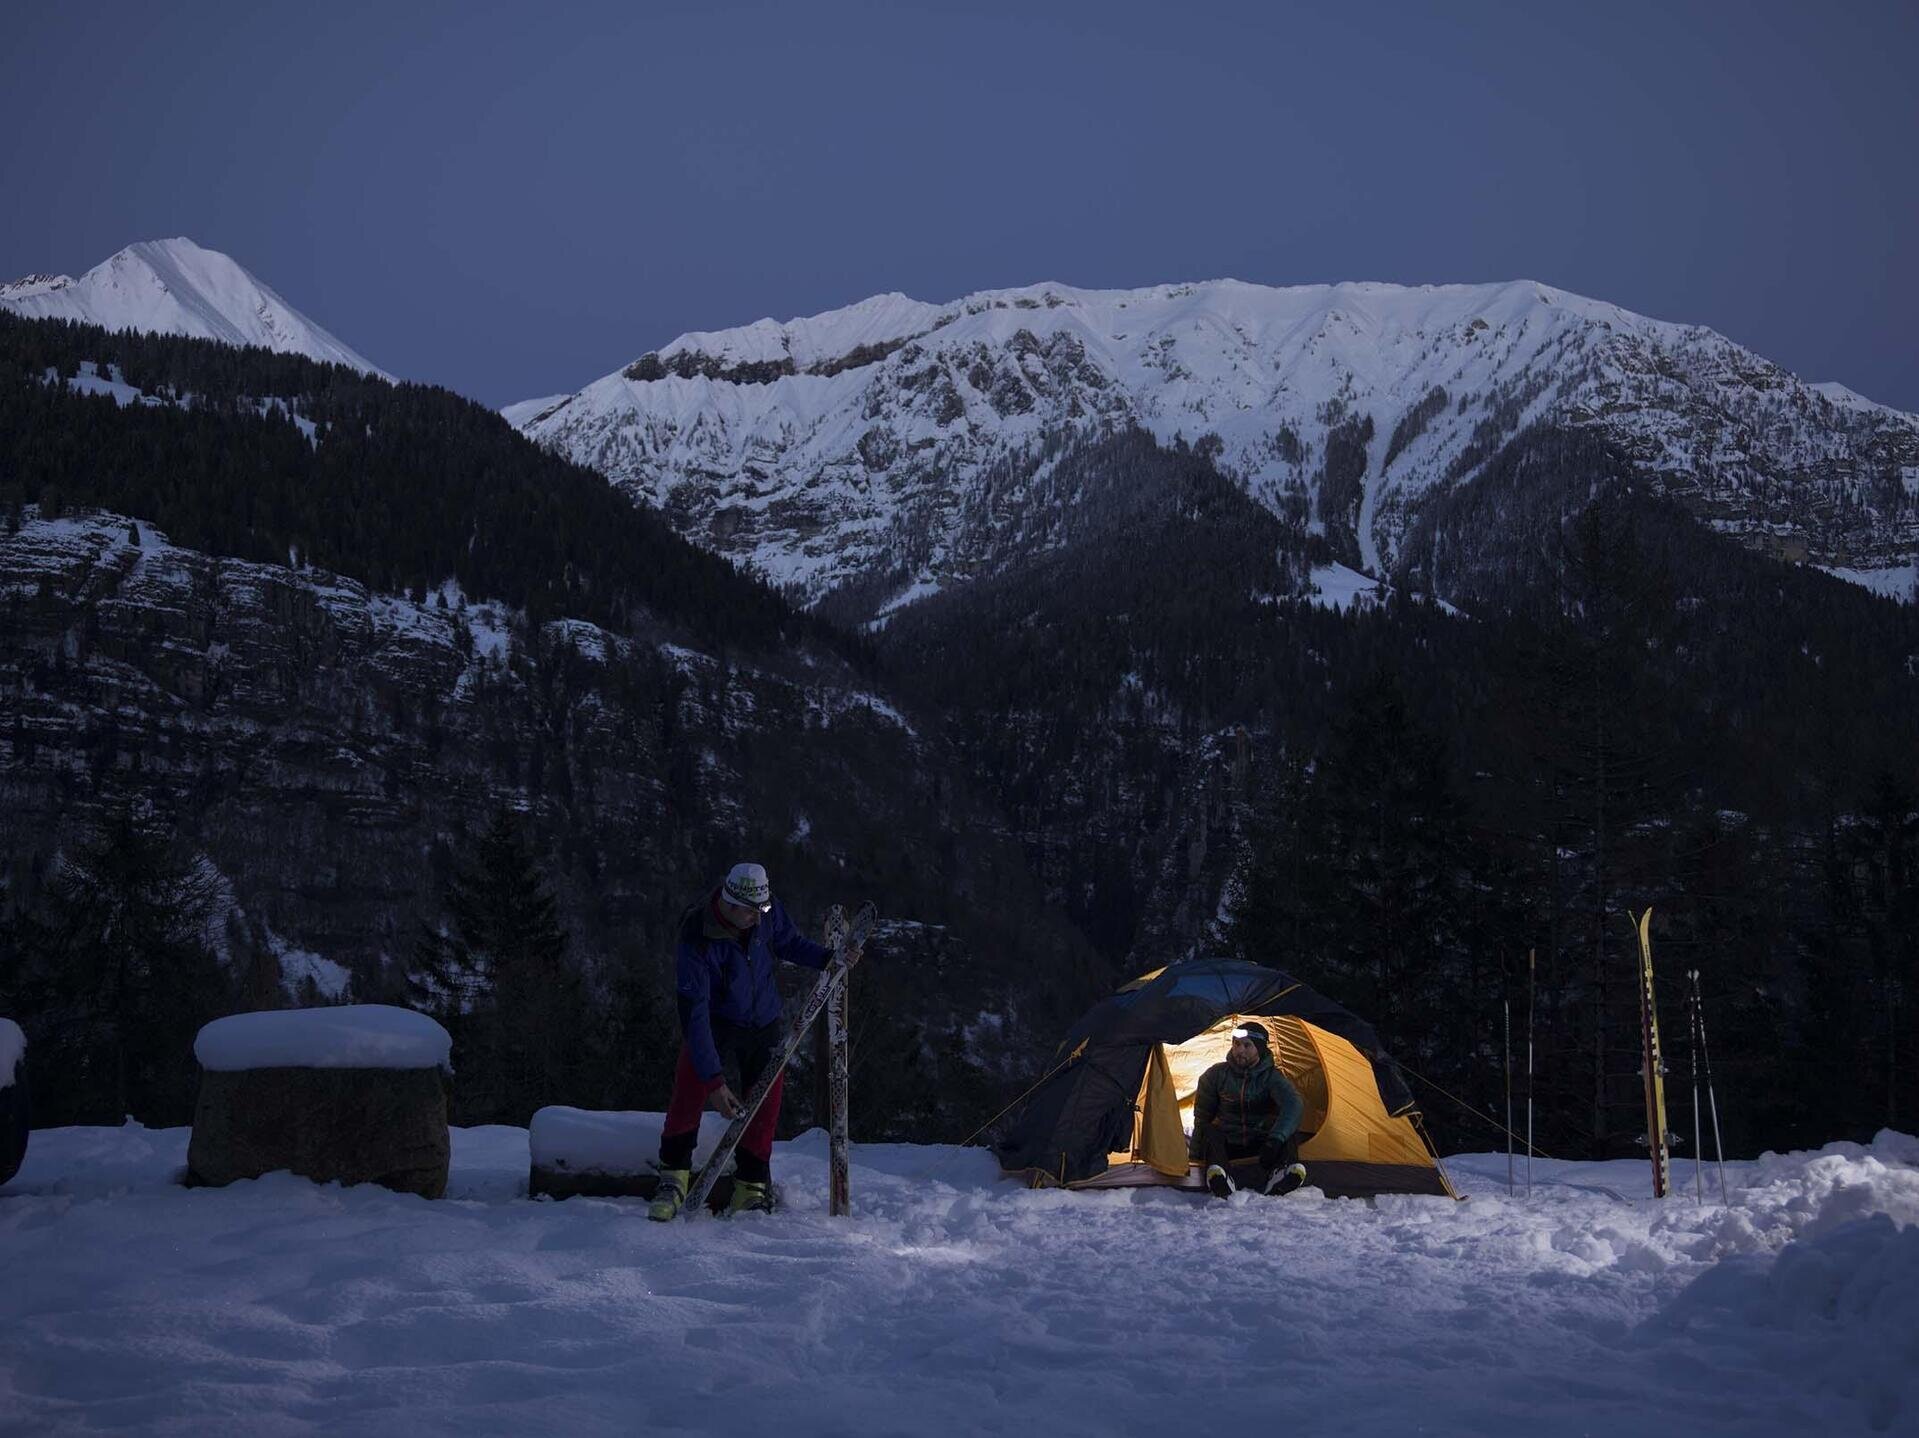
<point>1116,1107</point>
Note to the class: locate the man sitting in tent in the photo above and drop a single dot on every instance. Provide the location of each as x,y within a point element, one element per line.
<point>1246,1108</point>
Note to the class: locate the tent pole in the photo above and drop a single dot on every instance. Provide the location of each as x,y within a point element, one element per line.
<point>1506,1006</point>
<point>1705,1050</point>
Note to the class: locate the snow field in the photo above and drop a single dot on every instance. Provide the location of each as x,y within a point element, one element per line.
<point>955,1302</point>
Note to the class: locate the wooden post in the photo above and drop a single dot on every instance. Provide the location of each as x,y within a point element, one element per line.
<point>839,1204</point>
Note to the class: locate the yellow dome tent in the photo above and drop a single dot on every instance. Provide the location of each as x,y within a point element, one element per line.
<point>1117,1107</point>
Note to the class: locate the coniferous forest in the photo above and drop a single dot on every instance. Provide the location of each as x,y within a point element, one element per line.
<point>1427,812</point>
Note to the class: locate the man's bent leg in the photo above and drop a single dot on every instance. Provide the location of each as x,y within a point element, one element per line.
<point>1213,1148</point>
<point>753,1162</point>
<point>1214,1154</point>
<point>1275,1157</point>
<point>682,1128</point>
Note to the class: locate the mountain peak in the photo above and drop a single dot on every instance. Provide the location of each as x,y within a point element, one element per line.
<point>177,286</point>
<point>887,448</point>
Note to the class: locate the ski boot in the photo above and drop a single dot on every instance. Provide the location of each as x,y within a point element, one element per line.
<point>750,1197</point>
<point>670,1196</point>
<point>1285,1180</point>
<point>1217,1181</point>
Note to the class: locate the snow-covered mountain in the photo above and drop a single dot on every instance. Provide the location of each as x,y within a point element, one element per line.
<point>895,438</point>
<point>176,287</point>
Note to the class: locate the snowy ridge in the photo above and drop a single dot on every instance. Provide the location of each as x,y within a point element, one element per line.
<point>817,339</point>
<point>808,450</point>
<point>176,287</point>
<point>956,1302</point>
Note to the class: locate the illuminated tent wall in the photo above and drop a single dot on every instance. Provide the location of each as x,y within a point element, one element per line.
<point>1117,1105</point>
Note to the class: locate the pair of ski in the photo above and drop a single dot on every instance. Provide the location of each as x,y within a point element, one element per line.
<point>848,942</point>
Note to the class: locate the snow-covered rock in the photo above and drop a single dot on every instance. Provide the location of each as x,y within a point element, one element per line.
<point>176,287</point>
<point>594,1153</point>
<point>13,1099</point>
<point>13,1048</point>
<point>824,449</point>
<point>593,1140</point>
<point>348,1036</point>
<point>352,1094</point>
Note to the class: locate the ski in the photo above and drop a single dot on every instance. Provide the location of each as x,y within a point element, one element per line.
<point>851,942</point>
<point>1655,1062</point>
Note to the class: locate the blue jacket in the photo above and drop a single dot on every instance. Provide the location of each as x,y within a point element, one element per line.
<point>730,979</point>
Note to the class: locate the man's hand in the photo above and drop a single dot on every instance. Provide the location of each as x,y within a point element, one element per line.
<point>725,1102</point>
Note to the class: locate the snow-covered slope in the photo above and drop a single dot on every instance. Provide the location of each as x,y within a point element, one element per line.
<point>818,451</point>
<point>176,287</point>
<point>956,1303</point>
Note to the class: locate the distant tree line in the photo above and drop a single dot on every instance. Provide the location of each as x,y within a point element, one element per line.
<point>116,969</point>
<point>401,486</point>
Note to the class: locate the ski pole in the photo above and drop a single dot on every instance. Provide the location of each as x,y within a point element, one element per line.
<point>1531,954</point>
<point>1692,1045</point>
<point>1705,1049</point>
<point>1507,1006</point>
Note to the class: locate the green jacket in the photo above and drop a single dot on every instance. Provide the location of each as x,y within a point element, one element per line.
<point>1251,1105</point>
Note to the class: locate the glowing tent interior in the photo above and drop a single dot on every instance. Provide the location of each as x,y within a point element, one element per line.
<point>1116,1106</point>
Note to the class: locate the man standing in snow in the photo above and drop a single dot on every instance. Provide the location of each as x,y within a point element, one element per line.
<point>729,1017</point>
<point>1246,1108</point>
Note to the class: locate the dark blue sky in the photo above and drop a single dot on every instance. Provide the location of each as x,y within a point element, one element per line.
<point>513,200</point>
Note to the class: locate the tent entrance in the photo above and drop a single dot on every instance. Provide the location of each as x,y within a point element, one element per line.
<point>1347,1135</point>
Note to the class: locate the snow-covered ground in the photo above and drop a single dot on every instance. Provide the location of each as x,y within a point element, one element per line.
<point>954,1302</point>
<point>1337,587</point>
<point>1898,581</point>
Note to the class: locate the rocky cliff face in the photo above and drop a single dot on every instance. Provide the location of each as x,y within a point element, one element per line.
<point>327,748</point>
<point>895,448</point>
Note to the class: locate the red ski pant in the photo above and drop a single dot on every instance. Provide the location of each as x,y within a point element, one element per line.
<point>690,1093</point>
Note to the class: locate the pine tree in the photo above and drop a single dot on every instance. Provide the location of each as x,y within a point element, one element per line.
<point>498,976</point>
<point>113,976</point>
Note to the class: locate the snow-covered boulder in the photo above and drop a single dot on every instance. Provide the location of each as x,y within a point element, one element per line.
<point>353,1094</point>
<point>592,1153</point>
<point>13,1098</point>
